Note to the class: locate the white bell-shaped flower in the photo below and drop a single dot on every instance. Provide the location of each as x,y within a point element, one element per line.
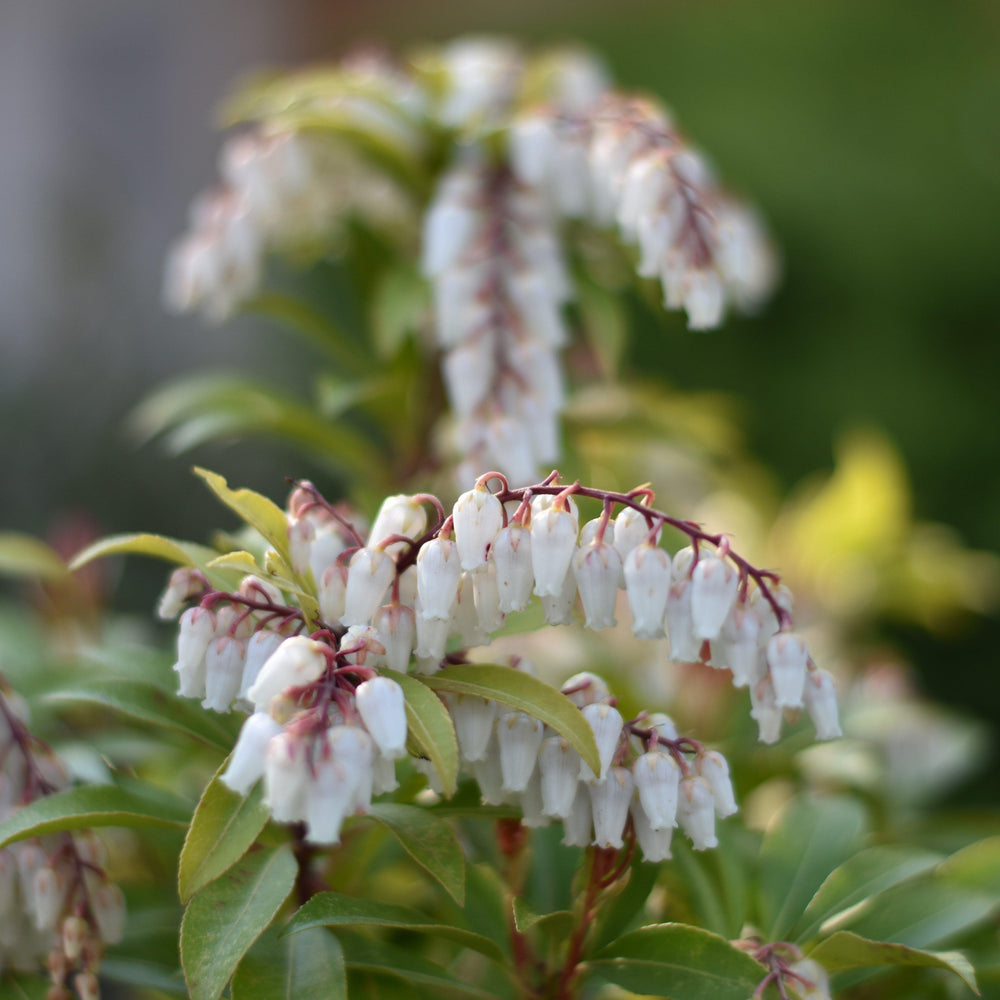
<point>578,826</point>
<point>657,778</point>
<point>531,141</point>
<point>489,774</point>
<point>511,554</point>
<point>327,545</point>
<point>598,569</point>
<point>787,657</point>
<point>398,515</point>
<point>107,903</point>
<point>559,770</point>
<point>713,590</point>
<point>429,771</point>
<point>287,781</point>
<point>585,688</point>
<point>696,812</point>
<point>474,719</point>
<point>383,775</point>
<point>355,749</point>
<point>369,575</point>
<point>439,574</point>
<point>590,531</point>
<point>184,582</point>
<point>49,896</point>
<point>260,646</point>
<point>714,768</point>
<point>330,800</point>
<point>737,648</point>
<point>196,631</point>
<point>520,737</point>
<point>382,708</point>
<point>486,595</point>
<point>765,612</point>
<point>821,703</point>
<point>332,593</point>
<point>301,533</point>
<point>610,800</point>
<point>685,647</point>
<point>224,662</point>
<point>558,608</point>
<point>478,517</point>
<point>654,844</point>
<point>448,227</point>
<point>246,765</point>
<point>606,722</point>
<point>466,617</point>
<point>553,542</point>
<point>533,815</point>
<point>647,583</point>
<point>765,711</point>
<point>296,662</point>
<point>631,530</point>
<point>397,631</point>
<point>432,635</point>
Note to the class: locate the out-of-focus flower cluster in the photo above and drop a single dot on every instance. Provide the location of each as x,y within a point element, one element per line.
<point>58,909</point>
<point>327,728</point>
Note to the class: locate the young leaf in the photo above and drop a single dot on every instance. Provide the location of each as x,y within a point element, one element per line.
<point>258,511</point>
<point>306,966</point>
<point>430,728</point>
<point>809,840</point>
<point>223,828</point>
<point>92,805</point>
<point>149,703</point>
<point>526,694</point>
<point>845,950</point>
<point>223,920</point>
<point>22,555</point>
<point>680,962</point>
<point>333,909</point>
<point>430,841</point>
<point>869,872</point>
<point>560,922</point>
<point>182,553</point>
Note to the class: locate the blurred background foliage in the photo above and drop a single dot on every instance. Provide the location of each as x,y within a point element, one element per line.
<point>853,417</point>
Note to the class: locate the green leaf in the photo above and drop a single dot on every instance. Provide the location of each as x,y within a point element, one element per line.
<point>869,872</point>
<point>258,511</point>
<point>307,966</point>
<point>430,841</point>
<point>616,916</point>
<point>239,561</point>
<point>146,975</point>
<point>430,728</point>
<point>21,986</point>
<point>333,909</point>
<point>680,962</point>
<point>851,951</point>
<point>149,703</point>
<point>223,828</point>
<point>976,866</point>
<point>182,553</point>
<point>23,555</point>
<point>399,305</point>
<point>223,920</point>
<point>526,694</point>
<point>362,953</point>
<point>811,838</point>
<point>93,805</point>
<point>559,922</point>
<point>604,324</point>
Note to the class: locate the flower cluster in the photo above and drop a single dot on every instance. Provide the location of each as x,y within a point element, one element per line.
<point>326,728</point>
<point>57,907</point>
<point>621,162</point>
<point>789,970</point>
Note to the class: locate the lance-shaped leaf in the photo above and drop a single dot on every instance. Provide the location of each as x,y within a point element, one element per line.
<point>223,828</point>
<point>158,546</point>
<point>615,917</point>
<point>306,966</point>
<point>430,841</point>
<point>94,805</point>
<point>430,729</point>
<point>526,694</point>
<point>149,703</point>
<point>334,909</point>
<point>680,962</point>
<point>869,872</point>
<point>558,923</point>
<point>22,555</point>
<point>223,920</point>
<point>976,866</point>
<point>811,838</point>
<point>845,950</point>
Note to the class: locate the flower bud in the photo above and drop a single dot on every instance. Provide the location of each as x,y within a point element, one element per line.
<point>398,515</point>
<point>520,737</point>
<point>184,582</point>
<point>511,554</point>
<point>108,905</point>
<point>332,593</point>
<point>606,722</point>
<point>296,662</point>
<point>197,629</point>
<point>382,708</point>
<point>610,800</point>
<point>821,703</point>
<point>657,777</point>
<point>74,935</point>
<point>765,711</point>
<point>478,517</point>
<point>647,583</point>
<point>439,575</point>
<point>631,530</point>
<point>49,897</point>
<point>368,577</point>
<point>585,688</point>
<point>246,765</point>
<point>765,613</point>
<point>696,812</point>
<point>327,545</point>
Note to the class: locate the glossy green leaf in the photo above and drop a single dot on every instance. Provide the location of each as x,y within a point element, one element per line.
<point>680,962</point>
<point>559,922</point>
<point>92,805</point>
<point>23,555</point>
<point>430,841</point>
<point>223,828</point>
<point>306,966</point>
<point>333,909</point>
<point>811,838</point>
<point>149,703</point>
<point>182,553</point>
<point>976,866</point>
<point>430,729</point>
<point>869,872</point>
<point>845,950</point>
<point>223,920</point>
<point>526,694</point>
<point>256,510</point>
<point>386,959</point>
<point>239,561</point>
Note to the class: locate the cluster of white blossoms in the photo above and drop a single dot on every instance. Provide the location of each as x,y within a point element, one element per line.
<point>622,163</point>
<point>57,908</point>
<point>326,728</point>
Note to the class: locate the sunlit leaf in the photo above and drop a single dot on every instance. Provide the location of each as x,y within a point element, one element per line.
<point>23,555</point>
<point>182,553</point>
<point>976,866</point>
<point>256,510</point>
